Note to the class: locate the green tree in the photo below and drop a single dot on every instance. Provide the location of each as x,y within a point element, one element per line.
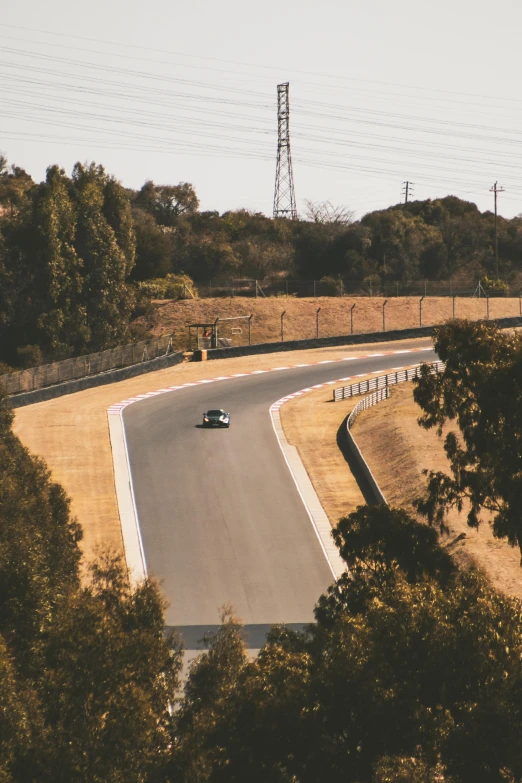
<point>481,390</point>
<point>420,682</point>
<point>65,256</point>
<point>153,247</point>
<point>399,241</point>
<point>87,677</point>
<point>108,679</point>
<point>39,553</point>
<point>15,184</point>
<point>117,212</point>
<point>56,269</point>
<point>167,202</point>
<point>22,730</point>
<point>378,543</point>
<point>108,300</point>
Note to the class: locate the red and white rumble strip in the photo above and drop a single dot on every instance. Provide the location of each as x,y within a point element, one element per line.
<point>119,406</point>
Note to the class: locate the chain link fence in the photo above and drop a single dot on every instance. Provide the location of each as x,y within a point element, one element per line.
<point>270,287</point>
<point>83,366</point>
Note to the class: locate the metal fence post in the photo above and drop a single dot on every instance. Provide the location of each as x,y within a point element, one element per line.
<point>282,326</point>
<point>354,306</point>
<point>487,306</point>
<point>317,321</point>
<point>420,310</point>
<point>383,316</point>
<point>454,297</point>
<point>249,327</point>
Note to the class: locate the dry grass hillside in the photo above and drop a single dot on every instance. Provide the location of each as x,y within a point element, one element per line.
<point>397,450</point>
<point>334,316</point>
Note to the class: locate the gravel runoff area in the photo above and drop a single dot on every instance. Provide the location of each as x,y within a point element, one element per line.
<point>71,433</point>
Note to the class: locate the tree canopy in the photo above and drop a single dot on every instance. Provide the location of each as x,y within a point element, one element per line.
<point>411,673</point>
<point>481,391</point>
<point>74,250</point>
<point>86,675</point>
<point>65,258</point>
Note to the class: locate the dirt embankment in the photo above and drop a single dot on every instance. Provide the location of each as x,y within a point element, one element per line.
<point>335,316</point>
<point>397,450</point>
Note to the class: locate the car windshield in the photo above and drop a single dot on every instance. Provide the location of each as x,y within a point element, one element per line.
<point>215,413</point>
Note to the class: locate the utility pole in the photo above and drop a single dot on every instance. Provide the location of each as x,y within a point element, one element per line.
<point>495,189</point>
<point>407,190</point>
<point>284,196</point>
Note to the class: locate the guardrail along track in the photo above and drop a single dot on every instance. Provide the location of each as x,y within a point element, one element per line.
<point>383,381</point>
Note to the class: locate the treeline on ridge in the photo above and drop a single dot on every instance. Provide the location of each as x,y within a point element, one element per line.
<point>81,256</point>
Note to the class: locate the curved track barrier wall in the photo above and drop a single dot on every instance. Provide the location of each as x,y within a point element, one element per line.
<point>382,385</point>
<point>366,402</point>
<point>91,381</point>
<point>349,339</point>
<point>84,366</point>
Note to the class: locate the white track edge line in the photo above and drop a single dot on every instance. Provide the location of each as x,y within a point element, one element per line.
<point>304,486</point>
<point>127,510</point>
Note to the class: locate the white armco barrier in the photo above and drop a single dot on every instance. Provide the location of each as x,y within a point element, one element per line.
<point>382,392</point>
<point>383,381</point>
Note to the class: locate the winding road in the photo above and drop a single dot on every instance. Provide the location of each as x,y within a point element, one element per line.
<point>221,519</point>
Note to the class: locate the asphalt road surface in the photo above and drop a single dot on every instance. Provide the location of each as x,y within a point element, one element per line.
<point>221,519</point>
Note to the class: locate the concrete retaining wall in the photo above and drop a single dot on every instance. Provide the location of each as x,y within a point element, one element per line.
<point>350,339</point>
<point>91,381</point>
<point>318,342</point>
<point>369,478</point>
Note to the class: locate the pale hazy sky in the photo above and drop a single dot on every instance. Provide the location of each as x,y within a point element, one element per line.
<point>380,92</point>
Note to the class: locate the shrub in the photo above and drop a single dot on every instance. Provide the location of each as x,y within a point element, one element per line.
<point>169,287</point>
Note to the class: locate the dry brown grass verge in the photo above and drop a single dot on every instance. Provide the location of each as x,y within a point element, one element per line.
<point>397,450</point>
<point>334,318</point>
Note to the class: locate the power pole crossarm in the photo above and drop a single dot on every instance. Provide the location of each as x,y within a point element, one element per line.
<point>284,195</point>
<point>407,190</point>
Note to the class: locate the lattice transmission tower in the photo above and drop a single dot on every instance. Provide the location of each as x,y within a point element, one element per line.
<point>284,195</point>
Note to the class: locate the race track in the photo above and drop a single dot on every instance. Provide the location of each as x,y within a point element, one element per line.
<point>221,519</point>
